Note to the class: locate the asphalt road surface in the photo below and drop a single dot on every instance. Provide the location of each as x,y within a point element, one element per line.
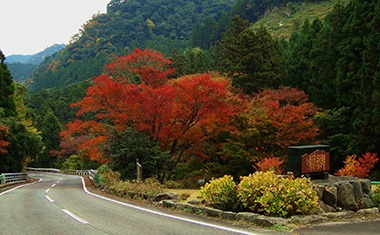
<point>60,204</point>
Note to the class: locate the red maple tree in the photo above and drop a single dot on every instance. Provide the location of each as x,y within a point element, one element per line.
<point>180,113</point>
<point>276,119</point>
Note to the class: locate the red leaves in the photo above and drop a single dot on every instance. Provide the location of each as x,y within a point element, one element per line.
<point>270,164</point>
<point>286,113</point>
<point>358,167</point>
<point>180,114</point>
<point>151,68</point>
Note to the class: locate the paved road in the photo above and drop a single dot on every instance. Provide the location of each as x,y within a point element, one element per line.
<point>59,204</point>
<point>358,228</point>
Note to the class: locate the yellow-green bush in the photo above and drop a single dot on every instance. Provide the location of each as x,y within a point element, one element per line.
<point>269,194</point>
<point>136,189</point>
<point>221,193</point>
<point>109,177</point>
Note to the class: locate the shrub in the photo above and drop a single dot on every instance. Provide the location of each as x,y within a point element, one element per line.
<point>184,196</point>
<point>376,196</point>
<point>358,167</point>
<point>270,164</point>
<point>109,177</point>
<point>136,189</point>
<point>221,193</point>
<point>269,194</point>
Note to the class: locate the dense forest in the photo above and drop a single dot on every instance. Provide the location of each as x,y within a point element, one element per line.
<point>23,66</point>
<point>235,94</point>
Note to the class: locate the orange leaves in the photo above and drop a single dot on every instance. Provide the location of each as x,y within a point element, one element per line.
<point>286,113</point>
<point>180,114</point>
<point>270,164</point>
<point>358,167</point>
<point>151,68</point>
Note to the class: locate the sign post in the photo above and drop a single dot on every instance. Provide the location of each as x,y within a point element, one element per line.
<point>312,161</point>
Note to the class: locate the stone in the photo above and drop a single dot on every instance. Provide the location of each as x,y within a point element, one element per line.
<point>169,204</point>
<point>319,189</point>
<point>267,221</point>
<point>366,202</point>
<point>325,208</point>
<point>308,219</point>
<point>246,216</point>
<point>366,186</point>
<point>368,211</point>
<point>358,191</point>
<point>346,198</point>
<point>166,196</point>
<point>330,196</point>
<point>212,212</point>
<point>229,215</point>
<point>194,202</point>
<point>341,214</point>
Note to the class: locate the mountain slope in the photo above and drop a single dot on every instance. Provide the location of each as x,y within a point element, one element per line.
<point>159,24</point>
<point>23,66</point>
<point>35,59</point>
<point>283,21</point>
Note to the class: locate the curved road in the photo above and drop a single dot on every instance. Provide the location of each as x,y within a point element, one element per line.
<point>61,204</point>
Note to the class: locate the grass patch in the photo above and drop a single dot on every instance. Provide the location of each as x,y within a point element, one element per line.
<point>283,21</point>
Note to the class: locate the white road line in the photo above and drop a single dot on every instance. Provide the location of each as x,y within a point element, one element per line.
<point>167,215</point>
<point>75,217</point>
<point>54,185</point>
<point>10,190</point>
<point>49,199</point>
<point>47,190</point>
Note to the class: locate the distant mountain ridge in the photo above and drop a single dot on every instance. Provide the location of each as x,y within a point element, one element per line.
<point>163,25</point>
<point>34,59</point>
<point>23,66</point>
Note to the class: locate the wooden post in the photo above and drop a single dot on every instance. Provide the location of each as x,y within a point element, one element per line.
<point>138,170</point>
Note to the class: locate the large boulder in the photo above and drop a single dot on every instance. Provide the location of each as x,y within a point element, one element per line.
<point>346,198</point>
<point>330,195</point>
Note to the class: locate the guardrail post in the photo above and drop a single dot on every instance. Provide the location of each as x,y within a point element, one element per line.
<point>2,179</point>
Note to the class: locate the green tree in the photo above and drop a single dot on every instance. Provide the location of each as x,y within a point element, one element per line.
<point>253,58</point>
<point>25,140</point>
<point>50,127</point>
<point>7,89</point>
<point>124,148</point>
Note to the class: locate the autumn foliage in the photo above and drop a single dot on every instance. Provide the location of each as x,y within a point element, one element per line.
<point>181,113</point>
<point>358,167</point>
<point>184,114</point>
<point>270,164</point>
<point>276,119</point>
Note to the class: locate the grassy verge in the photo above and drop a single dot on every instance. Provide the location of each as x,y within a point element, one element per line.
<point>283,21</point>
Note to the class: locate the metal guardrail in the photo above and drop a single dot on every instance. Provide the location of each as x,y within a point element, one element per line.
<point>7,178</point>
<point>77,172</point>
<point>43,169</point>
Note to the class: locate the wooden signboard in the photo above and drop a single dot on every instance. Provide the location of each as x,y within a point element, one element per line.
<point>317,161</point>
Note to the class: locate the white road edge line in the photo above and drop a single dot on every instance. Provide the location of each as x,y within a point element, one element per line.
<point>166,215</point>
<point>48,198</point>
<point>23,185</point>
<point>75,217</point>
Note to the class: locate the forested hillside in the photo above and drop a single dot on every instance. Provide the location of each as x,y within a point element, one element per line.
<point>162,25</point>
<point>217,104</point>
<point>23,66</point>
